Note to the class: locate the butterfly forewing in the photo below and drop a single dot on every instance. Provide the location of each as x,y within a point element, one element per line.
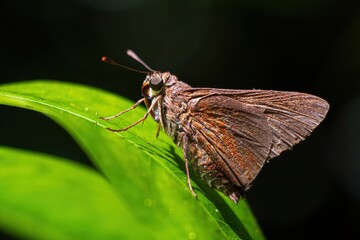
<point>292,116</point>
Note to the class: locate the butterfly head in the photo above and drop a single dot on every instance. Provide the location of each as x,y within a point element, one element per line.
<point>154,84</point>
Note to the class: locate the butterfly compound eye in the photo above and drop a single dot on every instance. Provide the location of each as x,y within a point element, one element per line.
<point>156,83</point>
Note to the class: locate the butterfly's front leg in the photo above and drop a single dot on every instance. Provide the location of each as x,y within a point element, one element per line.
<point>149,111</point>
<point>122,112</point>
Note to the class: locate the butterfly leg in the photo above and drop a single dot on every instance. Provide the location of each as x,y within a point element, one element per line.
<point>186,160</point>
<point>158,130</point>
<point>150,109</point>
<point>122,112</point>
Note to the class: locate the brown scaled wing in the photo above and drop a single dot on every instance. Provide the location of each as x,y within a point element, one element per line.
<point>241,129</point>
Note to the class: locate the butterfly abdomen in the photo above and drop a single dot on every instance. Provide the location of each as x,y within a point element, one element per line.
<point>209,171</point>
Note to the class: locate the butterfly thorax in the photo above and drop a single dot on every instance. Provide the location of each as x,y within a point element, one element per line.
<point>172,108</point>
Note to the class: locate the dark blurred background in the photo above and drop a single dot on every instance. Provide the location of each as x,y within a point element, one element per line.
<point>309,46</point>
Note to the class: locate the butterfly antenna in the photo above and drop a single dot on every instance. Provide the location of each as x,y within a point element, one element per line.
<point>113,62</point>
<point>130,53</point>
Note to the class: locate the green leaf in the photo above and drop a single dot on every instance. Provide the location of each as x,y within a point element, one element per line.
<point>147,172</point>
<point>46,197</point>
